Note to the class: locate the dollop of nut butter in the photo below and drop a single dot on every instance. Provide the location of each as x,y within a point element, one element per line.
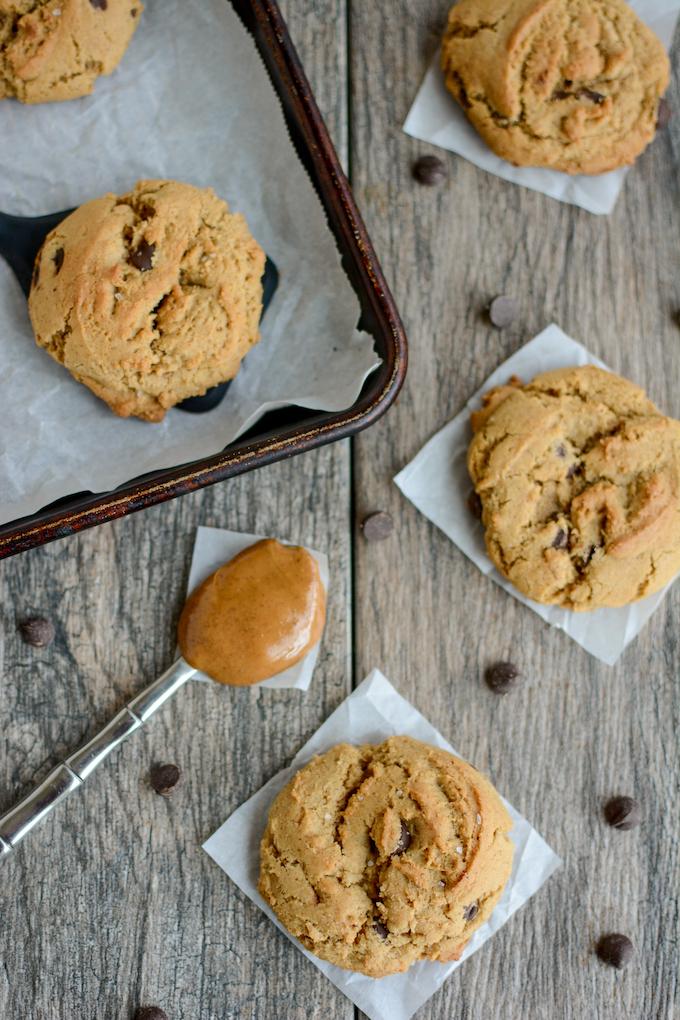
<point>254,617</point>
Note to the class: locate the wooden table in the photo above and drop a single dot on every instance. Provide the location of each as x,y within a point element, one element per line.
<point>113,902</point>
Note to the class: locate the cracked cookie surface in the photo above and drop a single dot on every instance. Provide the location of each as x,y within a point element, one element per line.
<point>56,49</point>
<point>578,474</point>
<point>573,85</point>
<point>377,856</point>
<point>151,297</point>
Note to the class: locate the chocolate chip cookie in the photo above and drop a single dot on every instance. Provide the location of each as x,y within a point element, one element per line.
<point>56,49</point>
<point>377,856</point>
<point>579,479</point>
<point>151,297</point>
<point>573,85</point>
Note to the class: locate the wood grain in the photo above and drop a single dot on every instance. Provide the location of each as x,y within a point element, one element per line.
<point>577,731</point>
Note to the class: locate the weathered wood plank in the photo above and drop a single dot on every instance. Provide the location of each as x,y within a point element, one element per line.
<point>577,731</point>
<point>113,902</point>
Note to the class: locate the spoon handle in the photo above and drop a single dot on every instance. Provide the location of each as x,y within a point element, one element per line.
<point>73,772</point>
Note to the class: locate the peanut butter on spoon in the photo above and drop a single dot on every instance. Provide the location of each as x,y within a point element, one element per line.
<point>255,616</point>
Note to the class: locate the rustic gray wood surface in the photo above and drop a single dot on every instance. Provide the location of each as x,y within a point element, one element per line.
<point>113,903</point>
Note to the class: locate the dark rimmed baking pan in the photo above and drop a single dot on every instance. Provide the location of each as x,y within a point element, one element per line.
<point>293,430</point>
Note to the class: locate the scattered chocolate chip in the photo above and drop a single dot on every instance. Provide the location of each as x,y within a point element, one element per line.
<point>588,556</point>
<point>58,259</point>
<point>147,211</point>
<point>164,778</point>
<point>561,94</point>
<point>151,1013</point>
<point>664,114</point>
<point>560,541</point>
<point>133,12</point>
<point>469,913</point>
<point>429,170</point>
<point>142,257</point>
<point>404,841</point>
<point>100,5</point>
<point>377,527</point>
<point>568,83</point>
<point>37,631</point>
<point>474,505</point>
<point>616,950</point>
<point>573,469</point>
<point>623,813</point>
<point>380,929</point>
<point>594,97</point>
<point>561,451</point>
<point>502,311</point>
<point>502,677</point>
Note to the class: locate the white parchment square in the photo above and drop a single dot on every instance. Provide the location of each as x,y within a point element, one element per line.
<point>437,118</point>
<point>214,547</point>
<point>191,100</point>
<point>438,483</point>
<point>373,712</point>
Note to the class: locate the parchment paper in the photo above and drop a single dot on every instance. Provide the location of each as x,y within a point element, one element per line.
<point>214,547</point>
<point>438,483</point>
<point>373,712</point>
<point>191,100</point>
<point>436,117</point>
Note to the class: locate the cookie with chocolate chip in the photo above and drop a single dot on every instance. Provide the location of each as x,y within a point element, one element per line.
<point>578,474</point>
<point>56,49</point>
<point>377,856</point>
<point>151,297</point>
<point>573,85</point>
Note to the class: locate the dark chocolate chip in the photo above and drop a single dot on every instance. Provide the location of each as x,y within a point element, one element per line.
<point>502,311</point>
<point>429,170</point>
<point>568,83</point>
<point>561,451</point>
<point>58,259</point>
<point>470,913</point>
<point>594,97</point>
<point>573,469</point>
<point>561,94</point>
<point>133,12</point>
<point>37,631</point>
<point>560,541</point>
<point>616,950</point>
<point>100,5</point>
<point>502,677</point>
<point>150,1013</point>
<point>164,778</point>
<point>664,114</point>
<point>377,527</point>
<point>142,257</point>
<point>146,211</point>
<point>404,841</point>
<point>623,813</point>
<point>474,505</point>
<point>380,929</point>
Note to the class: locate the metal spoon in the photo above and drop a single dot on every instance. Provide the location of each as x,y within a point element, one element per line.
<point>73,772</point>
<point>20,241</point>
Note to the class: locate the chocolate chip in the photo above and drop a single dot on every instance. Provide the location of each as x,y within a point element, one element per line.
<point>573,469</point>
<point>377,527</point>
<point>561,451</point>
<point>37,631</point>
<point>474,505</point>
<point>429,170</point>
<point>568,83</point>
<point>561,94</point>
<point>164,778</point>
<point>502,677</point>
<point>616,950</point>
<point>404,841</point>
<point>560,541</point>
<point>502,311</point>
<point>100,5</point>
<point>133,12</point>
<point>142,257</point>
<point>664,114</point>
<point>58,259</point>
<point>594,97</point>
<point>470,913</point>
<point>146,211</point>
<point>623,813</point>
<point>380,929</point>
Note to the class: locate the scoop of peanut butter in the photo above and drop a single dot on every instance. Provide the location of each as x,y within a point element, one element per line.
<point>254,617</point>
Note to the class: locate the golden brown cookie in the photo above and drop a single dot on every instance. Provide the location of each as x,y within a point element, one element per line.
<point>149,298</point>
<point>377,856</point>
<point>56,49</point>
<point>578,474</point>
<point>573,85</point>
